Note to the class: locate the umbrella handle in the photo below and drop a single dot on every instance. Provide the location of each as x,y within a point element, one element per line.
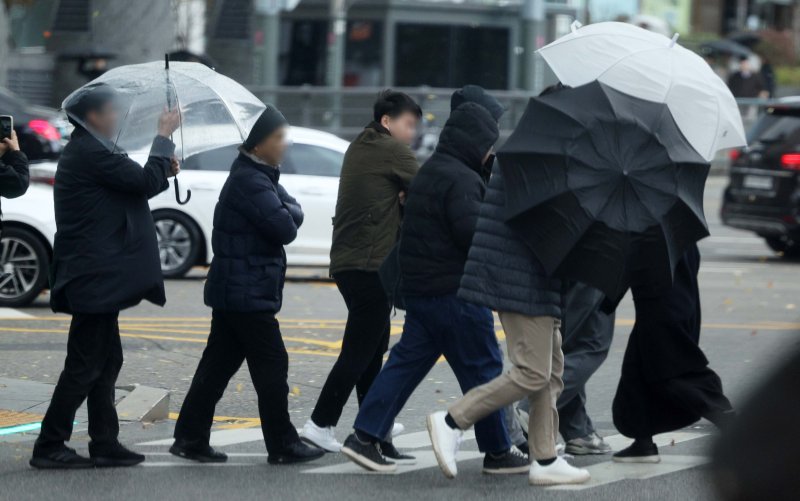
<point>178,194</point>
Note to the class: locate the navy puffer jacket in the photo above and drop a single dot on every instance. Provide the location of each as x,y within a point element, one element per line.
<point>501,272</point>
<point>253,220</point>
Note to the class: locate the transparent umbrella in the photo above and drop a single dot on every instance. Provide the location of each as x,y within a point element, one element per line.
<point>215,110</point>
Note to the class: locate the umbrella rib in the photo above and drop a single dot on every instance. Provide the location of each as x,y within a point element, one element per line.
<point>224,101</point>
<point>623,59</point>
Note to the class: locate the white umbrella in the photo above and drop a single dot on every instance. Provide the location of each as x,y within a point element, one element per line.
<point>650,66</point>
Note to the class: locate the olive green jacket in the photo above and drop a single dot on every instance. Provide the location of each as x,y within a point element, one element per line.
<point>376,169</point>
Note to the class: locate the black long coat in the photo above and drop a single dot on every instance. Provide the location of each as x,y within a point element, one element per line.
<point>253,220</point>
<point>666,383</point>
<point>105,256</point>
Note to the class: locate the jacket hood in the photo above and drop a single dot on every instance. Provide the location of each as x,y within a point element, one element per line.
<point>468,135</point>
<point>477,94</point>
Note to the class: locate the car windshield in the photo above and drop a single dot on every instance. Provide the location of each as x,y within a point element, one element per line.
<point>776,125</point>
<point>301,158</point>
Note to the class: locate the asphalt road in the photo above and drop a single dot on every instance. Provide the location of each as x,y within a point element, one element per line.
<point>751,320</point>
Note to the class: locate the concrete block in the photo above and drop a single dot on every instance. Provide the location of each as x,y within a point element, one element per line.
<point>144,404</point>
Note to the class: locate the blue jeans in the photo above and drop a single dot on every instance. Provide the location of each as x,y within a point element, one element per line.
<point>444,325</point>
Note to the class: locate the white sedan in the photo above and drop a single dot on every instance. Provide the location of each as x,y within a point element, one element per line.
<point>310,173</point>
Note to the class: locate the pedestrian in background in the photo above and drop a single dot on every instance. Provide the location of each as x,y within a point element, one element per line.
<point>747,83</point>
<point>376,173</point>
<point>666,383</point>
<point>254,218</point>
<point>443,205</point>
<point>14,176</point>
<point>105,259</point>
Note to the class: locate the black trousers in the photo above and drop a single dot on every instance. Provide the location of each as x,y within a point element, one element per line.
<point>94,359</point>
<point>234,338</point>
<point>366,339</point>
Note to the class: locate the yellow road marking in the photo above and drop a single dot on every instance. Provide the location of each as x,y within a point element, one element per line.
<point>14,418</point>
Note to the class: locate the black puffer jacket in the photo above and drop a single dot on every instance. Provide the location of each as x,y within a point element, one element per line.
<point>253,220</point>
<point>501,272</point>
<point>443,204</point>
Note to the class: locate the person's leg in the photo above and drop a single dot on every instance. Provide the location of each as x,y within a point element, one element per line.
<point>409,362</point>
<point>89,346</point>
<point>103,420</point>
<point>371,372</point>
<point>543,421</point>
<point>471,349</point>
<point>367,321</point>
<point>528,340</point>
<point>221,359</point>
<point>268,363</point>
<point>587,335</point>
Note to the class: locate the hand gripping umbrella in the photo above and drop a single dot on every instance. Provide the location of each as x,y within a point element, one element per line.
<point>603,187</point>
<point>215,111</point>
<point>650,66</point>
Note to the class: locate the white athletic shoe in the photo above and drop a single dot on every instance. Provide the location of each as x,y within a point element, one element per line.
<point>324,438</point>
<point>445,441</point>
<point>557,472</point>
<point>397,429</point>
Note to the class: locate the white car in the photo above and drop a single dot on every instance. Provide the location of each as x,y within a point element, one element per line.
<point>310,173</point>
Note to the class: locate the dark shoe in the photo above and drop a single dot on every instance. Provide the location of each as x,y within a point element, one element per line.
<point>391,453</point>
<point>590,444</point>
<point>113,455</point>
<point>202,453</point>
<point>638,452</point>
<point>298,452</point>
<point>511,462</point>
<point>366,455</point>
<point>60,459</point>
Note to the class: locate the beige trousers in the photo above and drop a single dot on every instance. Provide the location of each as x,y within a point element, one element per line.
<point>534,349</point>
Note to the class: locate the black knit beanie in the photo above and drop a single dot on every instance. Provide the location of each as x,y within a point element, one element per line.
<point>270,120</point>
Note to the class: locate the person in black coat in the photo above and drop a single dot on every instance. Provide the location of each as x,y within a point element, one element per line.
<point>14,176</point>
<point>105,259</point>
<point>666,383</point>
<point>440,215</point>
<point>254,218</point>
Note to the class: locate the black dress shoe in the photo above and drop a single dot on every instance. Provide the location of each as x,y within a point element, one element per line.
<point>113,455</point>
<point>59,459</point>
<point>202,453</point>
<point>640,451</point>
<point>298,452</point>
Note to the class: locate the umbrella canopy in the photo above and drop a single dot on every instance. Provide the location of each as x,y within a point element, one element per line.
<point>603,187</point>
<point>650,66</point>
<point>215,110</point>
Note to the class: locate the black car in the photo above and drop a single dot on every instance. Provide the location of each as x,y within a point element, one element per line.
<point>763,195</point>
<point>41,131</point>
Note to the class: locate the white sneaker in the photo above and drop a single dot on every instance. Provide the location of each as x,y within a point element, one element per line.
<point>557,472</point>
<point>324,438</point>
<point>445,441</point>
<point>397,429</point>
<point>522,418</point>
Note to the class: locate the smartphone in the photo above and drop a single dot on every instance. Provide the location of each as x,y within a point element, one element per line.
<point>6,126</point>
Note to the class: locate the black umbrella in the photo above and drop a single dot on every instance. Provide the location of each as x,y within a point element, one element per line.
<point>726,46</point>
<point>603,187</point>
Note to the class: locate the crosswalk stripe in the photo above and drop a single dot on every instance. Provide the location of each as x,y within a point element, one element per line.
<point>222,437</point>
<point>425,459</point>
<point>7,313</point>
<point>609,472</point>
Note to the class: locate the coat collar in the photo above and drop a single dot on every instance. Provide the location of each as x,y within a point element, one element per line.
<point>249,160</point>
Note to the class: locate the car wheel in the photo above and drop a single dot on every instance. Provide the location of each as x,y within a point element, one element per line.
<point>787,246</point>
<point>24,264</point>
<point>179,242</point>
